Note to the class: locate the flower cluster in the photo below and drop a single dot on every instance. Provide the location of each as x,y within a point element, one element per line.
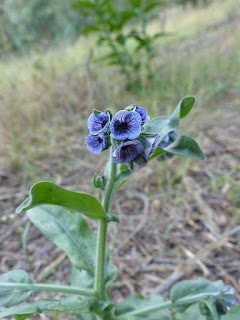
<point>124,131</point>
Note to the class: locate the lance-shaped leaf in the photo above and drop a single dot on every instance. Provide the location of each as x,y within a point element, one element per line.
<point>50,193</point>
<point>68,231</point>
<point>183,146</point>
<point>186,293</point>
<point>163,125</point>
<point>73,305</point>
<point>136,303</point>
<point>11,297</point>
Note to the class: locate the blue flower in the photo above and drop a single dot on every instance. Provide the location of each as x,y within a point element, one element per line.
<point>126,125</point>
<point>165,141</point>
<point>127,152</point>
<point>96,144</point>
<point>143,113</point>
<point>168,139</point>
<point>149,150</point>
<point>230,298</point>
<point>142,159</point>
<point>98,123</point>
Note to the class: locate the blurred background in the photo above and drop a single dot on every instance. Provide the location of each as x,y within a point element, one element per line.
<point>59,60</point>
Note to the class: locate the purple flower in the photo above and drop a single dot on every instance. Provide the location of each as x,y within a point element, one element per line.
<point>127,152</point>
<point>98,123</point>
<point>230,297</point>
<point>126,125</point>
<point>165,141</point>
<point>149,150</point>
<point>143,113</point>
<point>96,144</point>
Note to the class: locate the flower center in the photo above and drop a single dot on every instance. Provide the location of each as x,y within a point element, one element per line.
<point>104,123</point>
<point>100,140</point>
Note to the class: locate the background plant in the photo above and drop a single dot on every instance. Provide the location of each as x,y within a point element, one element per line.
<point>121,28</point>
<point>36,24</point>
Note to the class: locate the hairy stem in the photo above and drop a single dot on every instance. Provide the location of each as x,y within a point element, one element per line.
<point>102,231</point>
<point>168,304</point>
<point>16,287</point>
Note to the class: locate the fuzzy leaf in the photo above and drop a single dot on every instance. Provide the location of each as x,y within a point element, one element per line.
<point>163,125</point>
<point>192,313</point>
<point>50,193</point>
<point>199,289</point>
<point>11,297</point>
<point>74,305</point>
<point>68,231</point>
<point>138,302</point>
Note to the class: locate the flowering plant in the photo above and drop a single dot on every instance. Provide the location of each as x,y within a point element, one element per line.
<point>133,140</point>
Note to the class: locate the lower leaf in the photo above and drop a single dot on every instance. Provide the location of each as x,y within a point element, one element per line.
<point>11,297</point>
<point>73,305</point>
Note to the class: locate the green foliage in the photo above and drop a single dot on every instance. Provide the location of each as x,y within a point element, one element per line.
<point>137,303</point>
<point>73,305</point>
<point>70,232</point>
<point>192,313</point>
<point>36,23</point>
<point>186,293</point>
<point>121,28</point>
<point>184,145</point>
<point>50,193</point>
<point>10,297</point>
<point>233,314</point>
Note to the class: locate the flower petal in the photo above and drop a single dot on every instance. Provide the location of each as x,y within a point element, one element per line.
<point>143,113</point>
<point>98,123</point>
<point>127,152</point>
<point>96,144</point>
<point>126,125</point>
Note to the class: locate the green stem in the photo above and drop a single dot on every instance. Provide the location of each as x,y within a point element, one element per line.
<point>168,304</point>
<point>102,231</point>
<point>15,287</point>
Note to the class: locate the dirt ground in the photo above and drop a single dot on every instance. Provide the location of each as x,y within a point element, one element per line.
<point>172,227</point>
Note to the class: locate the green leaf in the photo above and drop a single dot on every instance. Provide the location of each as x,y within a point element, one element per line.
<point>86,4</point>
<point>23,316</point>
<point>186,105</point>
<point>122,177</point>
<point>73,305</point>
<point>183,146</point>
<point>138,302</point>
<point>157,126</point>
<point>200,288</point>
<point>164,125</point>
<point>68,231</point>
<point>90,29</point>
<point>81,278</point>
<point>233,314</point>
<point>50,193</point>
<point>192,313</point>
<point>11,297</point>
<point>187,147</point>
<point>208,308</point>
